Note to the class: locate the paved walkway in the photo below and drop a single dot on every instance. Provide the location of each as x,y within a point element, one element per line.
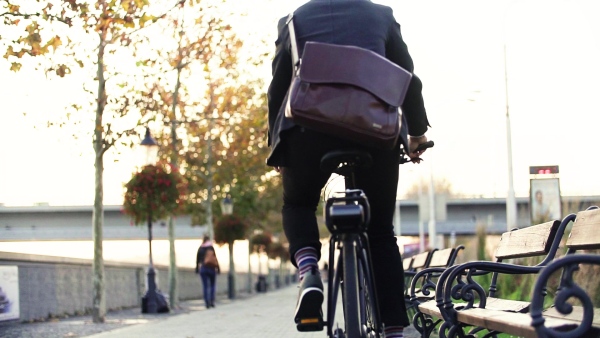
<point>266,315</point>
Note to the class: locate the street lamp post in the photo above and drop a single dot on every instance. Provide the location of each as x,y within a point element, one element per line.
<point>151,154</point>
<point>511,202</point>
<point>227,209</point>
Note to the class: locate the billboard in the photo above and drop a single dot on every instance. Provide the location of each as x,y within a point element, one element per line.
<point>544,200</point>
<point>9,293</point>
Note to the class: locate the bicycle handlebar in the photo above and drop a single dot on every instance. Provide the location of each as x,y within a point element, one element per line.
<point>425,145</point>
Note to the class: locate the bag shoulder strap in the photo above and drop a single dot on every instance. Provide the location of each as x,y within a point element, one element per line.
<point>290,24</point>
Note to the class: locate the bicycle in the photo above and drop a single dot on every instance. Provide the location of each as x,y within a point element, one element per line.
<point>347,216</point>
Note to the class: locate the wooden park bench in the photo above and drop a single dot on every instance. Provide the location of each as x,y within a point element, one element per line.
<point>407,263</point>
<point>535,241</point>
<point>412,265</point>
<point>428,267</point>
<point>481,312</point>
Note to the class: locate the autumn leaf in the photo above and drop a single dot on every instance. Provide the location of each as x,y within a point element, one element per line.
<point>9,52</point>
<point>15,66</point>
<point>145,18</point>
<point>63,70</point>
<point>55,42</point>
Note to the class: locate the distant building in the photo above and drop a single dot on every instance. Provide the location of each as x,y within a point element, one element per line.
<point>43,222</point>
<point>464,215</point>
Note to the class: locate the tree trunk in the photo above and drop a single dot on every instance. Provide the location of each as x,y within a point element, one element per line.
<point>232,270</point>
<point>98,297</point>
<point>99,302</point>
<point>209,184</point>
<point>173,295</point>
<point>249,268</point>
<point>258,254</point>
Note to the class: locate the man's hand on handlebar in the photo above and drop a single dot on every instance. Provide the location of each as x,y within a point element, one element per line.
<point>417,148</point>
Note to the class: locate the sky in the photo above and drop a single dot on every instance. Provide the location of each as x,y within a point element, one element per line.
<point>550,78</point>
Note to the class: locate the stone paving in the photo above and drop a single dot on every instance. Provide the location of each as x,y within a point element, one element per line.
<point>265,315</point>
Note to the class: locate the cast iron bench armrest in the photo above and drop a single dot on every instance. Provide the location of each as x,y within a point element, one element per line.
<point>440,261</point>
<point>427,284</point>
<point>466,288</point>
<point>568,289</point>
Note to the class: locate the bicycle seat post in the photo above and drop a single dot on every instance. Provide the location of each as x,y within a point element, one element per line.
<point>347,211</point>
<point>347,170</point>
<point>345,163</point>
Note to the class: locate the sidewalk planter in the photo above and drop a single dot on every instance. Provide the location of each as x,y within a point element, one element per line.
<point>261,284</point>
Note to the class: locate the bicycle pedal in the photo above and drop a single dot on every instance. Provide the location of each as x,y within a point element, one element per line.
<point>310,324</point>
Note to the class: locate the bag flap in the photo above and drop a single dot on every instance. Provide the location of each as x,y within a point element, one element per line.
<point>328,63</point>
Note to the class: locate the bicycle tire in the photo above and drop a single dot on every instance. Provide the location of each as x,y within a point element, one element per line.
<point>350,289</point>
<point>364,300</point>
<point>370,317</point>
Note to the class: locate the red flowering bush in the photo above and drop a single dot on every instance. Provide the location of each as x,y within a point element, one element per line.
<point>278,250</point>
<point>261,241</point>
<point>229,229</point>
<point>154,191</point>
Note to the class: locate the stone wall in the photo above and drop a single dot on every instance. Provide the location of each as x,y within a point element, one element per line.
<point>56,286</point>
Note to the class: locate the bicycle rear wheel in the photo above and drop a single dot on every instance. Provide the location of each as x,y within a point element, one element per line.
<point>350,289</point>
<point>370,318</point>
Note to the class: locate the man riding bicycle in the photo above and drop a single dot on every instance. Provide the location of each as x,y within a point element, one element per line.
<point>296,152</point>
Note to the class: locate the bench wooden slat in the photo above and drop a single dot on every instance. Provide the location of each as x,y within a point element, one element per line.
<point>527,242</point>
<point>407,263</point>
<point>420,260</point>
<point>430,308</point>
<point>500,304</point>
<point>440,258</point>
<point>518,324</point>
<point>585,234</point>
<point>495,304</point>
<point>576,315</point>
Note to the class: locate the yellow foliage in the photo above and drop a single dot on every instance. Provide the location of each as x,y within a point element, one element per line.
<point>63,70</point>
<point>55,42</point>
<point>15,66</point>
<point>9,52</point>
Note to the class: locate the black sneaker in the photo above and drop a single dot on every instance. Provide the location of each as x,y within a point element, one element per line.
<point>309,315</point>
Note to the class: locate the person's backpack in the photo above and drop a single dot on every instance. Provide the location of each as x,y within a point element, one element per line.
<point>210,259</point>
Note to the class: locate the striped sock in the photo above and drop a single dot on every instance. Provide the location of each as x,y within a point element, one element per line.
<point>306,258</point>
<point>394,332</point>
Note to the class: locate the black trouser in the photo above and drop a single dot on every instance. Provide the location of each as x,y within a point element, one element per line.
<point>303,181</point>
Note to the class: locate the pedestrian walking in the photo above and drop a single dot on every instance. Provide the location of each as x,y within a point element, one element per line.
<point>207,265</point>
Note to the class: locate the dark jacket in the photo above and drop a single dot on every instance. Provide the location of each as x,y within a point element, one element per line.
<point>346,22</point>
<point>201,253</point>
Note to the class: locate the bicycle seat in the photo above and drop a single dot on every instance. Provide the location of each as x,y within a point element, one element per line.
<point>331,161</point>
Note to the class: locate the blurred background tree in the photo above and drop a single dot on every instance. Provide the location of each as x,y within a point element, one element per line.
<point>259,242</point>
<point>100,42</point>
